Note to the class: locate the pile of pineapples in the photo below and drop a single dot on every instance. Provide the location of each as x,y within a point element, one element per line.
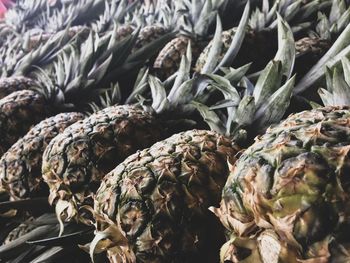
<point>175,131</point>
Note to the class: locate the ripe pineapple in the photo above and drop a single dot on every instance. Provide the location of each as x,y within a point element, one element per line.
<point>75,161</point>
<point>193,25</point>
<point>148,34</point>
<point>11,84</point>
<point>286,199</point>
<point>157,200</point>
<point>153,206</point>
<point>19,111</point>
<point>73,83</point>
<point>20,166</point>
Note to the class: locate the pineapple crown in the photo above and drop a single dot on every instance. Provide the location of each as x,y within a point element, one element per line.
<point>171,95</point>
<point>90,67</point>
<point>334,23</point>
<point>24,14</point>
<point>294,12</point>
<point>338,85</point>
<point>196,16</point>
<point>151,13</point>
<point>259,105</point>
<point>74,13</point>
<point>19,60</point>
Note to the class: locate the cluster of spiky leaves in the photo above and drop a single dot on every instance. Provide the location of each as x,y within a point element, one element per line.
<point>291,181</point>
<point>153,207</point>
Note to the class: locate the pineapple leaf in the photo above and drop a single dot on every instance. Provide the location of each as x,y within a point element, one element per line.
<point>210,117</point>
<point>346,68</point>
<point>339,49</point>
<point>158,92</point>
<point>326,97</point>
<point>273,110</point>
<point>236,41</point>
<point>245,111</point>
<point>286,47</point>
<point>215,49</point>
<point>268,81</point>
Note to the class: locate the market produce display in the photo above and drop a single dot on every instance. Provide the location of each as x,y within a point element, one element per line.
<point>174,131</point>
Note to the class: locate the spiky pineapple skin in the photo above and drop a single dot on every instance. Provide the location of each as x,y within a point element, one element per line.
<point>20,166</point>
<point>16,83</point>
<point>19,111</point>
<point>76,160</point>
<point>124,31</point>
<point>294,181</point>
<point>159,198</point>
<point>309,50</point>
<point>169,58</point>
<point>149,34</point>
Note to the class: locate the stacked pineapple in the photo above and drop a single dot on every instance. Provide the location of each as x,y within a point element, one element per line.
<point>130,119</point>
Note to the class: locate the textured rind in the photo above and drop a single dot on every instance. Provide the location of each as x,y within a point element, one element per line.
<point>149,34</point>
<point>20,166</point>
<point>160,197</point>
<point>11,84</point>
<point>76,160</point>
<point>18,112</point>
<point>169,58</point>
<point>295,180</point>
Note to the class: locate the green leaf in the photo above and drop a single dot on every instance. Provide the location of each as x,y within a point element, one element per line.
<point>326,97</point>
<point>286,47</point>
<point>245,111</point>
<point>346,68</point>
<point>158,92</point>
<point>273,110</point>
<point>268,81</point>
<point>341,90</point>
<point>215,49</point>
<point>210,117</point>
<point>236,41</point>
<point>339,49</point>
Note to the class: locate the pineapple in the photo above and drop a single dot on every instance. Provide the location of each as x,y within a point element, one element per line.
<point>20,166</point>
<point>11,84</point>
<point>73,74</point>
<point>75,161</point>
<point>19,111</point>
<point>286,199</point>
<point>158,200</point>
<point>193,25</point>
<point>166,108</point>
<point>153,206</point>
